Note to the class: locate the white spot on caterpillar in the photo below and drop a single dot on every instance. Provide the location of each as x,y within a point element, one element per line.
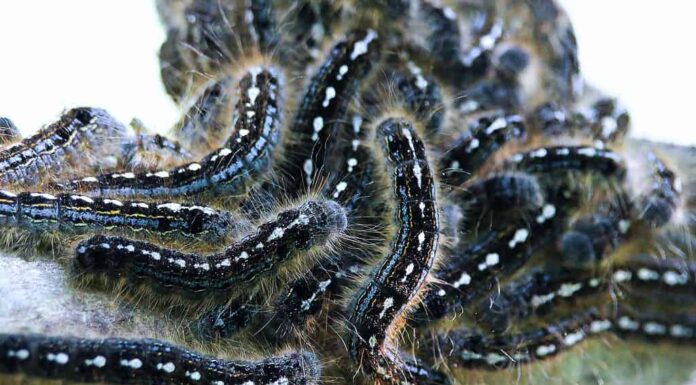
<point>654,328</point>
<point>647,274</point>
<point>90,179</point>
<point>495,358</point>
<point>252,93</point>
<point>44,196</point>
<point>545,350</point>
<point>193,375</point>
<point>224,152</point>
<point>355,144</point>
<point>135,204</point>
<point>318,125</point>
<point>624,225</point>
<point>308,167</point>
<point>242,255</point>
<point>492,259</point>
<point>21,354</point>
<point>449,13</point>
<point>673,278</point>
<point>680,331</point>
<point>352,162</point>
<point>59,358</point>
<point>135,363</point>
<point>225,262</point>
<point>342,70</point>
<point>474,144</point>
<point>628,324</point>
<point>169,367</point>
<point>409,270</point>
<point>340,188</point>
<point>180,262</point>
<point>417,171</point>
<point>330,94</point>
<point>278,232</point>
<point>203,266</point>
<point>497,124</point>
<point>594,282</point>
<point>194,167</point>
<point>520,236</point>
<point>357,123</point>
<point>389,302</point>
<point>538,300</point>
<point>81,198</point>
<point>98,361</point>
<point>600,326</point>
<point>562,151</point>
<point>540,153</point>
<point>120,204</point>
<point>588,151</point>
<point>259,245</point>
<point>568,289</point>
<point>173,207</point>
<point>441,293</point>
<point>360,47</point>
<point>129,248</point>
<point>243,132</point>
<point>622,276</point>
<point>162,174</point>
<point>421,239</point>
<point>547,212</point>
<point>153,254</point>
<point>465,279</point>
<point>573,338</point>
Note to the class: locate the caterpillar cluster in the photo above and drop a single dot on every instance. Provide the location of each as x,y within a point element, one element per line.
<point>400,192</point>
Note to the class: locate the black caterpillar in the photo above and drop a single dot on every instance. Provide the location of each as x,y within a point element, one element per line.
<point>501,218</point>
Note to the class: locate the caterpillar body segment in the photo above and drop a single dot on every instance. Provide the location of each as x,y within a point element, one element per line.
<point>478,351</point>
<point>323,107</point>
<point>537,294</point>
<point>256,121</point>
<point>657,205</point>
<point>79,213</point>
<point>652,274</point>
<point>142,361</point>
<point>569,158</point>
<point>244,261</point>
<point>470,272</point>
<point>81,136</point>
<point>306,295</point>
<point>9,133</point>
<point>224,321</point>
<point>472,149</point>
<point>378,307</point>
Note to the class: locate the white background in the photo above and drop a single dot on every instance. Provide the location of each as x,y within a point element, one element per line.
<point>60,54</point>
